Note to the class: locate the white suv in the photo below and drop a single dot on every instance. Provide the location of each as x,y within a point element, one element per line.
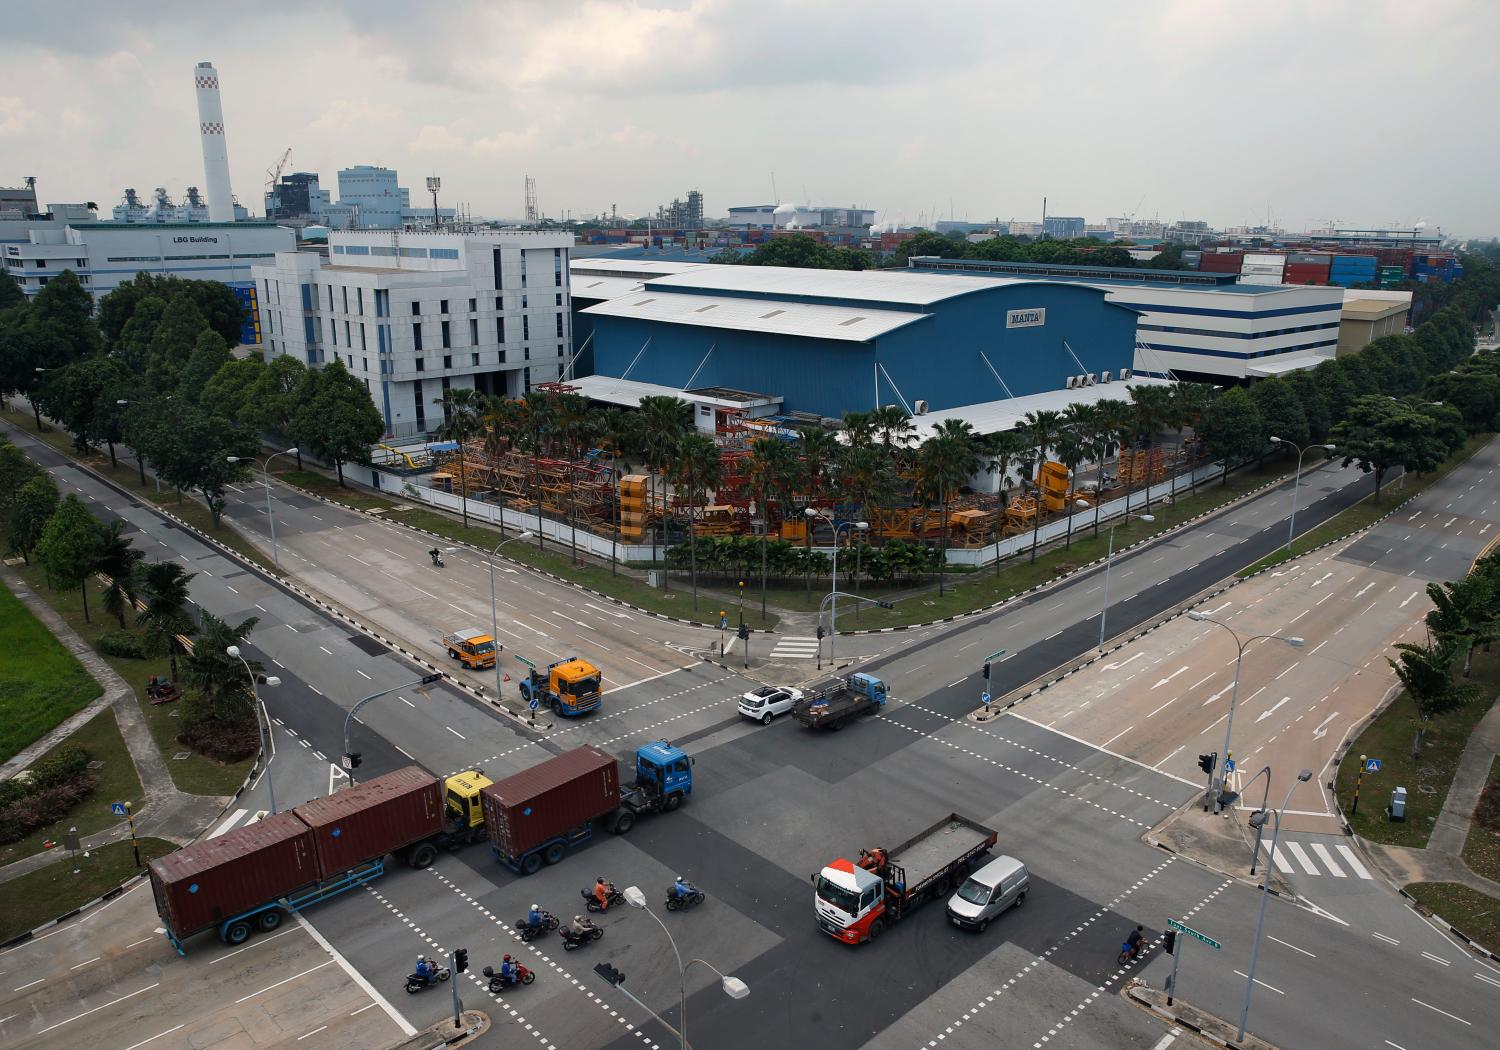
<point>768,701</point>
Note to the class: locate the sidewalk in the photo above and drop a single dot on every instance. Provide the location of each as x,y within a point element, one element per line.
<point>1442,860</point>
<point>166,812</point>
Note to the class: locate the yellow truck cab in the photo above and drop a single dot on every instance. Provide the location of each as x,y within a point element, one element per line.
<point>465,814</point>
<point>569,687</point>
<point>473,648</point>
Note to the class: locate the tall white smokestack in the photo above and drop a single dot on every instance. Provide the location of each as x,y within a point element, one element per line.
<point>215,152</point>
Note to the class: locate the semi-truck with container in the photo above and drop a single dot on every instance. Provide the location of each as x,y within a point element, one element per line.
<point>568,687</point>
<point>856,900</point>
<point>835,705</point>
<point>475,649</point>
<point>535,816</point>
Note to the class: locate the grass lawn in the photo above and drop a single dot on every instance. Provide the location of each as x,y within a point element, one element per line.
<point>195,774</point>
<point>100,736</point>
<point>1482,847</point>
<point>1426,779</point>
<point>125,474</point>
<point>1367,511</point>
<point>1476,914</point>
<point>41,683</point>
<point>37,896</point>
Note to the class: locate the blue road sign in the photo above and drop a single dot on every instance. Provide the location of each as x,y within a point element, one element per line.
<point>1372,765</point>
<point>534,703</point>
<point>984,698</point>
<point>1229,765</point>
<point>723,622</point>
<point>117,808</point>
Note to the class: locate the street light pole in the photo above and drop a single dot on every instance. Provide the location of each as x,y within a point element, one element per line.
<point>427,679</point>
<point>1259,819</point>
<point>266,480</point>
<point>265,748</point>
<point>833,619</point>
<point>733,986</point>
<point>494,619</point>
<point>1109,558</point>
<point>1234,694</point>
<point>1291,528</point>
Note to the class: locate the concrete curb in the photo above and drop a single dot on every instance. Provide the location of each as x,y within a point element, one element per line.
<point>1421,909</point>
<point>1173,1019</point>
<point>108,895</point>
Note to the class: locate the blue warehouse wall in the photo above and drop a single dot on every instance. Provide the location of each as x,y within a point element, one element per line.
<point>936,359</point>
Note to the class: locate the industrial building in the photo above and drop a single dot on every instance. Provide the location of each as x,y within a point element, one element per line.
<point>192,208</point>
<point>823,342</point>
<point>1196,325</point>
<point>799,216</point>
<point>18,202</point>
<point>413,314</point>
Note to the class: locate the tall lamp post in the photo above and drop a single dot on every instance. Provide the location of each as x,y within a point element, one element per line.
<point>266,478</point>
<point>1109,559</point>
<point>833,619</point>
<point>1291,528</point>
<point>265,748</point>
<point>733,986</point>
<point>1258,820</point>
<point>351,760</point>
<point>1234,695</point>
<point>494,620</point>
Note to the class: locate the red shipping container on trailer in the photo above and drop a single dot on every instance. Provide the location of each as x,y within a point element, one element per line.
<point>209,881</point>
<point>372,819</point>
<point>528,808</point>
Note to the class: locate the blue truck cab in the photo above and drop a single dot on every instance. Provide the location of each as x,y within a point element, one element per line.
<point>663,778</point>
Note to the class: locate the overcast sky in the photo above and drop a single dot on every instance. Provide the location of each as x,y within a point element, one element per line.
<point>1369,112</point>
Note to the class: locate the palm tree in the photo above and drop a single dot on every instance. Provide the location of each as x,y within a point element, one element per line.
<point>1151,405</point>
<point>501,424</point>
<point>944,463</point>
<point>218,679</point>
<point>118,559</point>
<point>894,426</point>
<point>463,408</point>
<point>535,418</point>
<point>164,588</point>
<point>1461,615</point>
<point>664,422</point>
<point>698,466</point>
<point>859,428</point>
<point>1072,447</point>
<point>1041,430</point>
<point>617,432</point>
<point>766,469</point>
<point>1117,421</point>
<point>1426,672</point>
<point>1002,449</point>
<point>1193,401</point>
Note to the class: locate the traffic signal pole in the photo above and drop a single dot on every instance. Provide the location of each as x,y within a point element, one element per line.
<point>458,962</point>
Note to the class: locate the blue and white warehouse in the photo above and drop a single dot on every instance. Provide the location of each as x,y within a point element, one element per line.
<point>824,342</point>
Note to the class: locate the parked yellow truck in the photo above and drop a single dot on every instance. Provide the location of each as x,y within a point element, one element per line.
<point>473,648</point>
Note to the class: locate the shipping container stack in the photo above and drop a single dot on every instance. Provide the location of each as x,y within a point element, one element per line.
<point>1191,260</point>
<point>1349,270</point>
<point>1263,268</point>
<point>1436,268</point>
<point>1307,268</point>
<point>1221,262</point>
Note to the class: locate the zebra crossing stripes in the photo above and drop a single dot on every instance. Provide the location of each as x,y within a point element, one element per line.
<point>1331,864</point>
<point>792,647</point>
<point>233,820</point>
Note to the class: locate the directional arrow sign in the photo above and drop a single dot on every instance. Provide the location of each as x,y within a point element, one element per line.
<point>1180,928</point>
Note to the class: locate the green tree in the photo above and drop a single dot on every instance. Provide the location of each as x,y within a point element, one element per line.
<point>1153,410</point>
<point>69,547</point>
<point>801,250</point>
<point>699,468</point>
<point>65,306</point>
<point>163,586</point>
<point>216,679</point>
<point>1314,405</point>
<point>339,422</point>
<point>1381,433</point>
<point>215,303</point>
<point>945,463</point>
<point>1041,430</point>
<point>172,344</point>
<point>1280,411</point>
<point>81,397</point>
<point>664,421</point>
<point>133,343</point>
<point>766,470</point>
<point>1462,614</point>
<point>1476,395</point>
<point>33,506</point>
<point>463,421</point>
<point>16,469</point>
<point>119,560</point>
<point>273,400</point>
<point>193,450</point>
<point>209,355</point>
<point>1233,430</point>
<point>228,392</point>
<point>10,292</point>
<point>1336,387</point>
<point>1426,672</point>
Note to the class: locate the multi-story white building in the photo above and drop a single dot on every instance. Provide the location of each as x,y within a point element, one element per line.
<point>105,254</point>
<point>413,314</point>
<point>374,192</point>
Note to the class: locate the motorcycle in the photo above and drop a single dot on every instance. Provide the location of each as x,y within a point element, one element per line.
<point>692,900</point>
<point>592,903</point>
<point>498,983</point>
<point>437,558</point>
<point>527,931</point>
<point>573,940</point>
<point>415,982</point>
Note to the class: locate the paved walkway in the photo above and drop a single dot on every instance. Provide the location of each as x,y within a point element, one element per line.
<point>1442,860</point>
<point>165,812</point>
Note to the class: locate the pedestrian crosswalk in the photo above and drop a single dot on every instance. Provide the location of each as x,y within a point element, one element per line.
<point>233,820</point>
<point>791,647</point>
<point>1288,851</point>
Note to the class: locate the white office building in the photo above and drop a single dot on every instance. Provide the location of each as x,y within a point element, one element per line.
<point>415,313</point>
<point>375,195</point>
<point>105,254</point>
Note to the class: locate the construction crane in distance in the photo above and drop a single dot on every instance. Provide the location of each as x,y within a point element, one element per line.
<point>273,175</point>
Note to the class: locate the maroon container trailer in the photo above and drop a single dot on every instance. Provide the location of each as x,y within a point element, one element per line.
<point>372,819</point>
<point>210,881</point>
<point>549,800</point>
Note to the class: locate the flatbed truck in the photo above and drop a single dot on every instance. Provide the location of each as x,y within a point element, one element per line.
<point>841,702</point>
<point>475,649</point>
<point>855,901</point>
<point>568,687</point>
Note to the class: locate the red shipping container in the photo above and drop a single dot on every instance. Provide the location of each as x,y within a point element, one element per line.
<point>372,819</point>
<point>1221,262</point>
<point>209,881</point>
<point>528,808</point>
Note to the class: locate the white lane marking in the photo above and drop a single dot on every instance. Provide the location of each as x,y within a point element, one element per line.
<point>1289,669</point>
<point>355,975</point>
<point>158,1035</point>
<point>1281,863</point>
<point>1487,980</point>
<point>1268,713</point>
<point>278,984</point>
<point>1216,696</point>
<point>1293,947</point>
<point>1398,1046</point>
<point>1328,861</point>
<point>261,607</point>
<point>1163,707</point>
<point>1112,739</point>
<point>33,984</point>
<point>1263,984</point>
<point>363,675</point>
<point>363,1008</point>
<point>1317,647</point>
<point>234,818</point>
<point>405,701</point>
<point>1303,859</point>
<point>1383,937</point>
<point>455,732</point>
<point>1169,677</point>
<point>121,999</point>
<point>1351,860</point>
<point>1419,1002</point>
<point>1426,955</point>
<point>1322,730</point>
<point>1166,1040</point>
<point>328,651</point>
<point>315,1031</point>
<point>95,959</point>
<point>1200,681</point>
<point>294,630</point>
<point>1165,760</point>
<point>253,944</point>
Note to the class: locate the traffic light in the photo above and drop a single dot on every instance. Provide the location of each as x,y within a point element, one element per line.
<point>821,632</point>
<point>460,960</point>
<point>1208,762</point>
<point>1169,942</point>
<point>986,671</point>
<point>610,974</point>
<point>428,679</point>
<point>743,633</point>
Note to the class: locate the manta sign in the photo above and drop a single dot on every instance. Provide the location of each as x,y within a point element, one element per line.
<point>1025,318</point>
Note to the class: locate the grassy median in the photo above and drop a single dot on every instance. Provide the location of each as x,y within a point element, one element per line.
<point>1482,846</point>
<point>41,683</point>
<point>34,898</point>
<point>1476,914</point>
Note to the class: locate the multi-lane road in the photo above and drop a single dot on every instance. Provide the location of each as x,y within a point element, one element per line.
<point>773,804</point>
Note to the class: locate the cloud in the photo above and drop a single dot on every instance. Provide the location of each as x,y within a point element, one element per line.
<point>15,116</point>
<point>361,114</point>
<point>437,138</point>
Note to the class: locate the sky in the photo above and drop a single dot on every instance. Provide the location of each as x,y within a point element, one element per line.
<point>1368,112</point>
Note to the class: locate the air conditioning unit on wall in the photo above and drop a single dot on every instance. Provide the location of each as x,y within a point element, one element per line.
<point>1094,378</point>
<point>919,407</point>
<point>1072,382</point>
<point>1125,374</point>
<point>1106,376</point>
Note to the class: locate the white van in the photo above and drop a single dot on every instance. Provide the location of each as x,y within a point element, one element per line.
<point>999,885</point>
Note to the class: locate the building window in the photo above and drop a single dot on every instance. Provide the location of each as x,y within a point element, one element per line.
<point>416,309</point>
<point>309,333</point>
<point>525,328</point>
<point>476,359</point>
<point>527,378</point>
<point>473,331</point>
<point>345,291</point>
<point>557,267</point>
<point>307,302</point>
<point>523,279</point>
<point>363,343</point>
<point>558,301</point>
<point>330,298</point>
<point>333,332</point>
<point>421,365</point>
<point>499,329</point>
<point>525,304</point>
<point>364,364</point>
<point>559,350</point>
<point>348,342</point>
<point>473,305</point>
<point>447,339</point>
<point>498,303</point>
<point>382,303</point>
<point>416,336</point>
<point>499,279</point>
<point>447,360</point>
<point>526,353</point>
<point>559,326</point>
<point>359,300</point>
<point>445,253</point>
<point>443,306</point>
<point>499,358</point>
